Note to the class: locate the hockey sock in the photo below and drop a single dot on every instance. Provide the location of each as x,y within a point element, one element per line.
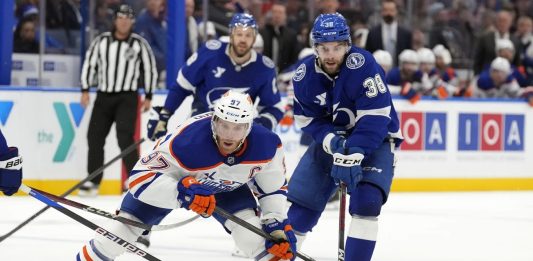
<point>361,238</point>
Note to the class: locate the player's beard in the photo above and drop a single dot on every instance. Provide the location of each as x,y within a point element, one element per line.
<point>331,66</point>
<point>240,50</point>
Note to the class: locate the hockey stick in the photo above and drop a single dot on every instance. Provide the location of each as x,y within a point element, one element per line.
<point>256,230</point>
<point>118,218</point>
<point>342,218</point>
<point>89,177</point>
<point>125,244</point>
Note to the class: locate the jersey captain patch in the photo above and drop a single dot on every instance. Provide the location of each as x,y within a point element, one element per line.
<point>355,60</point>
<point>300,73</point>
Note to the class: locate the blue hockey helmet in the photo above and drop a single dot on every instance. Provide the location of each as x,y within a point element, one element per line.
<point>244,20</point>
<point>330,28</point>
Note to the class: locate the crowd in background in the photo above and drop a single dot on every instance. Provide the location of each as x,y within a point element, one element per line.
<point>444,48</point>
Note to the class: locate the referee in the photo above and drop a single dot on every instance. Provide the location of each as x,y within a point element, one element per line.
<point>117,63</point>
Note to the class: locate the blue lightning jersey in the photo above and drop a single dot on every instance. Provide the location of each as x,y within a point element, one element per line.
<point>356,100</point>
<point>211,72</point>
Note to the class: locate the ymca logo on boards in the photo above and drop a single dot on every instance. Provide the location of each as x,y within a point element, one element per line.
<point>491,132</point>
<point>67,127</point>
<point>5,110</point>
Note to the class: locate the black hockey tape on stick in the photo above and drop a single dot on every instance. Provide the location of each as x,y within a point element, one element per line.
<point>118,218</point>
<point>118,240</point>
<point>256,230</point>
<point>89,177</point>
<point>342,220</point>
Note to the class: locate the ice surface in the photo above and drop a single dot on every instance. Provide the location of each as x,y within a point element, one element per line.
<point>486,226</point>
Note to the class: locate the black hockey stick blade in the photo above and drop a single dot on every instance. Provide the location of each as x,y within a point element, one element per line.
<point>255,229</point>
<point>68,192</point>
<point>118,218</point>
<point>107,234</point>
<point>342,220</point>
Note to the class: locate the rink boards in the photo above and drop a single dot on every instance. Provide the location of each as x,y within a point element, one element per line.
<point>452,145</point>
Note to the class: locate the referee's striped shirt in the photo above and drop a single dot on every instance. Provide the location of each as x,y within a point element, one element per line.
<point>116,65</point>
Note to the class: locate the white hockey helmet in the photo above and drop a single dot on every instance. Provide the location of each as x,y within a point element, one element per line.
<point>408,56</point>
<point>440,51</point>
<point>504,44</point>
<point>425,55</point>
<point>383,58</point>
<point>234,107</point>
<point>501,64</point>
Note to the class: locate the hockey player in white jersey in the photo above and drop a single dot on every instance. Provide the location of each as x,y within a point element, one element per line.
<point>208,161</point>
<point>218,67</point>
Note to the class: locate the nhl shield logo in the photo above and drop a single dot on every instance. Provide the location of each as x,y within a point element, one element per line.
<point>230,160</point>
<point>355,60</point>
<point>129,54</point>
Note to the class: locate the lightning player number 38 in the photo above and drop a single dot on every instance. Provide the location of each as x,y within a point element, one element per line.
<point>374,85</point>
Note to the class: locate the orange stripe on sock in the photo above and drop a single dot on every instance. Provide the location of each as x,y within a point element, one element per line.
<point>141,179</point>
<point>86,254</point>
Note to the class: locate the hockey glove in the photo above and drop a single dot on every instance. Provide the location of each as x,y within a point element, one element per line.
<point>196,197</point>
<point>10,171</point>
<point>347,166</point>
<point>157,124</point>
<point>285,245</point>
<point>409,93</point>
<point>333,143</point>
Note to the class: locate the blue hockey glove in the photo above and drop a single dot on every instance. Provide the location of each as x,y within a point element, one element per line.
<point>10,171</point>
<point>285,245</point>
<point>333,143</point>
<point>157,124</point>
<point>196,197</point>
<point>347,166</point>
<point>264,121</point>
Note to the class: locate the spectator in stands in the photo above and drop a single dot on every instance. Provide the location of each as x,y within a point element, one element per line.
<point>193,34</point>
<point>505,49</point>
<point>360,30</point>
<point>419,40</point>
<point>151,25</point>
<point>486,43</point>
<point>498,82</point>
<point>389,35</point>
<point>328,6</point>
<point>24,38</point>
<point>525,31</point>
<point>279,40</point>
<point>30,11</point>
<point>103,16</point>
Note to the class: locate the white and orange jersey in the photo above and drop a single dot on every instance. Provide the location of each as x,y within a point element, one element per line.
<point>191,151</point>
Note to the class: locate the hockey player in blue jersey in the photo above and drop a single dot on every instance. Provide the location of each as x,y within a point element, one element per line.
<point>218,67</point>
<point>343,102</point>
<point>10,168</point>
<point>211,159</point>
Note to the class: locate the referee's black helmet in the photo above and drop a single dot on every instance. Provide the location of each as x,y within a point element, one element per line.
<point>125,10</point>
